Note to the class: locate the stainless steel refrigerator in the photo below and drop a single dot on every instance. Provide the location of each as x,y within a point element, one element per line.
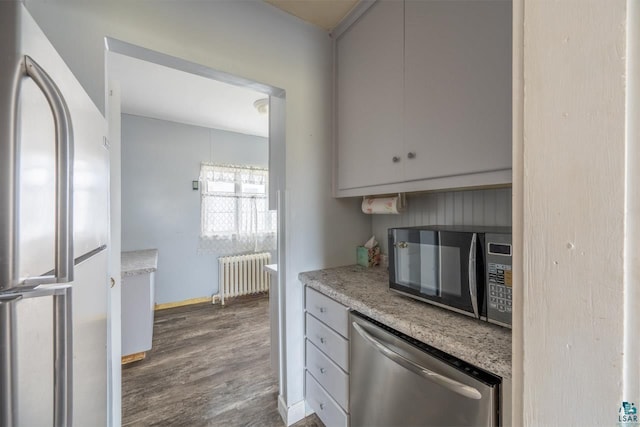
<point>54,196</point>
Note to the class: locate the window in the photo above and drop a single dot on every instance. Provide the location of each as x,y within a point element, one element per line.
<point>235,215</point>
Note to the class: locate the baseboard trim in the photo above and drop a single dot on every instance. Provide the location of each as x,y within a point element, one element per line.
<point>135,357</point>
<point>308,409</point>
<point>292,414</point>
<point>182,303</point>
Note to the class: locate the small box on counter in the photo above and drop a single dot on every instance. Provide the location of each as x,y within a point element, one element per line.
<point>368,257</point>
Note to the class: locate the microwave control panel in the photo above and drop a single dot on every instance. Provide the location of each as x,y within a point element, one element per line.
<point>499,278</point>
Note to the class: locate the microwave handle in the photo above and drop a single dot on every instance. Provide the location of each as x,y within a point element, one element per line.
<point>473,284</point>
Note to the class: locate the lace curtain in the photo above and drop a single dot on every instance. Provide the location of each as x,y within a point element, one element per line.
<point>235,216</point>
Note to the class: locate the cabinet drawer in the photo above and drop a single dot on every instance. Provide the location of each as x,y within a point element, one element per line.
<point>330,312</point>
<point>329,341</point>
<point>328,374</point>
<point>326,408</point>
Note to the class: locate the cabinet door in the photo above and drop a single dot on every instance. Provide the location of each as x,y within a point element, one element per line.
<point>457,87</point>
<point>369,82</point>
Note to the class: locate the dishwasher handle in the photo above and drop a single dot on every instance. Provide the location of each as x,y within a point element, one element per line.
<point>451,384</point>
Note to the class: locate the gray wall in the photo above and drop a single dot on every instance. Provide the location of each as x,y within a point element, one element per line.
<point>473,207</point>
<point>255,40</point>
<point>159,208</point>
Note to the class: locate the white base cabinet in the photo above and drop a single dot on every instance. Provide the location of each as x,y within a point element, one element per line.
<point>327,358</point>
<point>138,295</point>
<point>325,406</point>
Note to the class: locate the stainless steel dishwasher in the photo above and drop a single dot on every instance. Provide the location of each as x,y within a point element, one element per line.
<point>398,381</point>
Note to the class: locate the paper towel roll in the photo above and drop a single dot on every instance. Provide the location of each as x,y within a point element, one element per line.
<point>382,205</point>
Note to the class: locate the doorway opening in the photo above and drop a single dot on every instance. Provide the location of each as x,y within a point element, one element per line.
<point>197,173</point>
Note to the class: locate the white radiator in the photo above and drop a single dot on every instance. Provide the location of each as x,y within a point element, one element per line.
<point>243,275</point>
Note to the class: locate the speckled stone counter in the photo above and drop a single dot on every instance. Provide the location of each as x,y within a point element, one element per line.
<point>139,262</point>
<point>367,290</point>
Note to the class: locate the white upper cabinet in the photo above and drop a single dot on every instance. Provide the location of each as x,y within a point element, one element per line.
<point>457,94</point>
<point>369,100</point>
<point>428,82</point>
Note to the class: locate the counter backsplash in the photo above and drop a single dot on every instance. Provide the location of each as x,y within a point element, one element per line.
<point>473,207</point>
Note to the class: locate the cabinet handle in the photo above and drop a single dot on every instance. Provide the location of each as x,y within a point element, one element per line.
<point>322,370</point>
<point>322,340</point>
<point>395,159</point>
<point>322,406</point>
<point>411,155</point>
<point>323,310</point>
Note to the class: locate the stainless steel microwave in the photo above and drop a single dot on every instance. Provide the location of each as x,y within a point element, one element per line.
<point>464,269</point>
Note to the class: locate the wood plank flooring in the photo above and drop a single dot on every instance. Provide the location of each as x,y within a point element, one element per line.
<point>209,366</point>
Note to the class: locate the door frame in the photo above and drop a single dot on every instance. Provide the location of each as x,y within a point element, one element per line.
<point>277,197</point>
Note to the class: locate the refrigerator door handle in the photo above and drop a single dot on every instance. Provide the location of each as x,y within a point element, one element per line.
<point>64,176</point>
<point>62,359</point>
<point>429,375</point>
<point>8,373</point>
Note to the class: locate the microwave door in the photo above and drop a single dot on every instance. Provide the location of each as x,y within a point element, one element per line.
<point>450,281</point>
<point>430,270</point>
<point>418,266</point>
<point>407,259</point>
<point>402,263</point>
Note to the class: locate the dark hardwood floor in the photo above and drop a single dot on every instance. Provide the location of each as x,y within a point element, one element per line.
<point>209,366</point>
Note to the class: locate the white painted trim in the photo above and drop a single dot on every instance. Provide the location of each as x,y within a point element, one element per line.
<point>631,368</point>
<point>114,313</point>
<point>517,220</point>
<point>308,409</point>
<point>124,48</point>
<point>573,257</point>
<point>292,414</point>
<point>282,408</point>
<point>277,136</point>
<point>281,196</point>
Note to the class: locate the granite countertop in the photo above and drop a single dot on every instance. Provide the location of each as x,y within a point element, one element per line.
<point>139,262</point>
<point>366,290</point>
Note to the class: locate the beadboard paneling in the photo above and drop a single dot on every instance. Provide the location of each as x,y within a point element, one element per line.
<point>474,207</point>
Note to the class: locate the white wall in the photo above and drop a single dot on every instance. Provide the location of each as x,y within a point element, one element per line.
<point>491,207</point>
<point>159,208</point>
<point>569,342</point>
<point>254,40</point>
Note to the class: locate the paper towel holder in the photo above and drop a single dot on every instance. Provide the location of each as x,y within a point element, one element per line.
<point>400,204</point>
<point>402,197</point>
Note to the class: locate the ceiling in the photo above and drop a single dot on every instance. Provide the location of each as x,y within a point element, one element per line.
<point>159,92</point>
<point>325,14</point>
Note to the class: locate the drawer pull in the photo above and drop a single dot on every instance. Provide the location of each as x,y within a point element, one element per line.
<point>322,370</point>
<point>323,310</point>
<point>322,406</point>
<point>322,340</point>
